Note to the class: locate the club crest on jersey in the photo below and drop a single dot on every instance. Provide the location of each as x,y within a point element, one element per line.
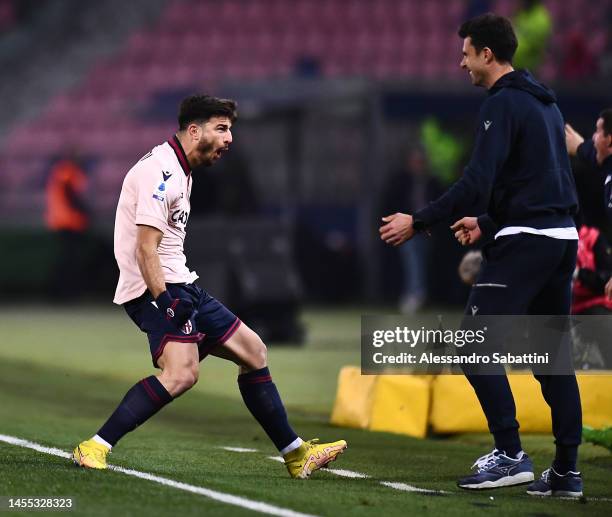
<point>187,327</point>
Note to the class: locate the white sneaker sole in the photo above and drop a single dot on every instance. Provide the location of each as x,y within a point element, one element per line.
<point>517,479</point>
<point>556,493</point>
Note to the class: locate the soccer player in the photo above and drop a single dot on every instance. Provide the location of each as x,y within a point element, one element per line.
<point>183,323</point>
<point>520,169</point>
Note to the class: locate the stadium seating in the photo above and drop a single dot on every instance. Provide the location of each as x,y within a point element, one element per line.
<point>194,45</point>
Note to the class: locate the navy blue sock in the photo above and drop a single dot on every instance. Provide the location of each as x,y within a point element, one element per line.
<point>261,397</point>
<point>140,403</point>
<point>566,459</point>
<point>508,441</point>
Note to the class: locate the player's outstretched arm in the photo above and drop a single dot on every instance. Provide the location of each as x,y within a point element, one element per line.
<point>176,310</point>
<point>399,229</point>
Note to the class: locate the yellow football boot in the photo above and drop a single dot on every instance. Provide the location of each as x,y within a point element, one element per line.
<point>90,454</point>
<point>311,456</point>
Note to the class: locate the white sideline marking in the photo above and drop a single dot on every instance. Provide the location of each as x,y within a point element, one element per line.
<point>348,474</point>
<point>339,472</point>
<point>359,475</point>
<point>31,445</point>
<point>238,449</point>
<point>411,488</point>
<point>235,500</point>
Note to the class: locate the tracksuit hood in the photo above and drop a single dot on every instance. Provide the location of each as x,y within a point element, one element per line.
<point>523,80</point>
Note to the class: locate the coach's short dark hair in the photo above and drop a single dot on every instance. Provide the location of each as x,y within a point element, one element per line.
<point>200,108</point>
<point>606,115</point>
<point>494,32</point>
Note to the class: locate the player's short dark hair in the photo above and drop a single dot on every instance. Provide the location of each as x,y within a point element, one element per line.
<point>200,108</point>
<point>606,115</point>
<point>492,31</point>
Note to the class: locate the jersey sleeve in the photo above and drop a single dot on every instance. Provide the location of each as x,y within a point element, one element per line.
<point>495,136</point>
<point>152,199</point>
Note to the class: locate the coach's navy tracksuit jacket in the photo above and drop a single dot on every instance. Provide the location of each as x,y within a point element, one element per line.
<point>519,170</point>
<point>520,174</point>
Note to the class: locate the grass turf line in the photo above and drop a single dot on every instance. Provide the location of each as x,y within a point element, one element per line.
<point>57,392</point>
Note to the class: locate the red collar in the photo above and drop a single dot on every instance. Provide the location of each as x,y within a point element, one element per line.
<point>180,154</point>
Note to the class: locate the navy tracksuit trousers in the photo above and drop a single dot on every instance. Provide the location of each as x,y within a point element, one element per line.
<point>527,274</point>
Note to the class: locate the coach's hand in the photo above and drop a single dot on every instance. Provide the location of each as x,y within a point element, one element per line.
<point>467,230</point>
<point>176,310</point>
<point>398,229</point>
<point>608,289</point>
<point>572,140</point>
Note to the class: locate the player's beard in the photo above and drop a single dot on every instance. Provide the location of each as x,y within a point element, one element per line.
<point>206,153</point>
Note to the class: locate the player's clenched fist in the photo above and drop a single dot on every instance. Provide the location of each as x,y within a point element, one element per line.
<point>176,310</point>
<point>398,229</point>
<point>467,230</point>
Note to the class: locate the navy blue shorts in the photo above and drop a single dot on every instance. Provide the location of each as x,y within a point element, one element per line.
<point>211,325</point>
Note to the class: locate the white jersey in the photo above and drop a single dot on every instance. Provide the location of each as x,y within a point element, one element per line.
<point>155,192</point>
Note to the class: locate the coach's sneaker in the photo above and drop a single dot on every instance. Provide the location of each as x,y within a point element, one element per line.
<point>310,456</point>
<point>555,484</point>
<point>90,454</point>
<point>495,470</point>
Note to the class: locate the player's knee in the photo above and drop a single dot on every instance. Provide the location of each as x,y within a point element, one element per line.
<point>179,381</point>
<point>261,356</point>
<point>258,358</point>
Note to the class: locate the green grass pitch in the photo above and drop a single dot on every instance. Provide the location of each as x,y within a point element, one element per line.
<point>62,371</point>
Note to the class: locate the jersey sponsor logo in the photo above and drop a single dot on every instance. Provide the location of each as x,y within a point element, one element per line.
<point>159,198</point>
<point>487,124</point>
<point>179,216</point>
<point>166,175</point>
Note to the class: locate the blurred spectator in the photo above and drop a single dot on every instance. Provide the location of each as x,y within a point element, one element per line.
<point>578,60</point>
<point>596,152</point>
<point>470,265</point>
<point>67,216</point>
<point>409,189</point>
<point>533,26</point>
<point>593,269</point>
<point>592,286</point>
<point>444,152</point>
